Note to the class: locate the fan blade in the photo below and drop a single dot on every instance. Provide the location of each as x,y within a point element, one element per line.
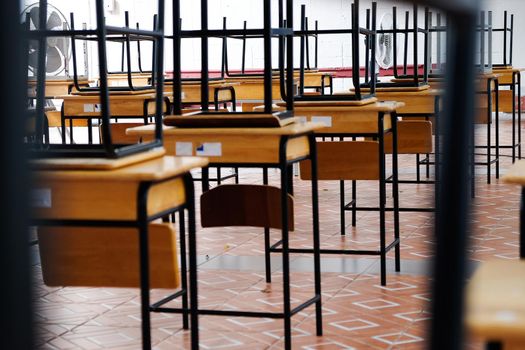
<point>33,14</point>
<point>54,60</point>
<point>63,46</point>
<point>54,21</point>
<point>33,59</point>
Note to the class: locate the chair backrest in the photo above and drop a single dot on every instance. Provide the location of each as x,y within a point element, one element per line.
<point>118,133</point>
<point>413,136</point>
<point>344,160</point>
<point>107,257</point>
<point>244,205</point>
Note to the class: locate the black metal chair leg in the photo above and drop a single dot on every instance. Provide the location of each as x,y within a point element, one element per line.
<point>267,253</point>
<point>354,203</point>
<point>183,269</point>
<point>494,345</point>
<point>342,205</point>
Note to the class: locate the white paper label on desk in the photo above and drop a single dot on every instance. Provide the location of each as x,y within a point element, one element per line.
<point>327,121</point>
<point>210,149</point>
<point>183,95</point>
<point>92,107</point>
<point>41,198</point>
<point>302,120</point>
<point>184,149</point>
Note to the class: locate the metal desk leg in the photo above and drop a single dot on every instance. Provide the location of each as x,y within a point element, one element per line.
<point>205,179</point>
<point>395,190</point>
<point>267,253</point>
<point>316,233</point>
<point>342,205</point>
<point>497,126</point>
<point>142,216</point>
<point>513,89</point>
<point>382,198</point>
<point>519,115</point>
<point>285,245</point>
<point>194,316</point>
<point>183,269</point>
<point>63,124</point>
<point>489,122</point>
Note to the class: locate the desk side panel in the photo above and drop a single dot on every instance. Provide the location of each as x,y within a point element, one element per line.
<point>106,257</point>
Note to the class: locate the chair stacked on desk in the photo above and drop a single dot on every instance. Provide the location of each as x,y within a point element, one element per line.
<point>96,203</point>
<point>348,117</point>
<point>247,140</point>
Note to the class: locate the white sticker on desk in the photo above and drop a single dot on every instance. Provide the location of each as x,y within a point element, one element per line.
<point>210,149</point>
<point>183,95</point>
<point>302,120</point>
<point>184,149</point>
<point>327,121</point>
<point>41,198</point>
<point>92,107</point>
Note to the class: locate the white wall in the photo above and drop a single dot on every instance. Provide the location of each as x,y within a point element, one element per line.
<point>334,51</point>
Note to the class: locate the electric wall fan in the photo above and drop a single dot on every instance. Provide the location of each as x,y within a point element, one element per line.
<point>385,43</point>
<point>58,48</point>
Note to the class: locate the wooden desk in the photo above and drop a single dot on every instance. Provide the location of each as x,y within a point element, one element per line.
<point>219,91</point>
<point>250,92</point>
<point>419,103</point>
<point>128,196</point>
<point>121,79</point>
<point>319,81</point>
<point>510,102</point>
<point>434,83</point>
<point>496,303</point>
<point>261,148</point>
<point>56,87</point>
<point>346,119</point>
<point>488,101</point>
<point>516,176</point>
<point>122,105</point>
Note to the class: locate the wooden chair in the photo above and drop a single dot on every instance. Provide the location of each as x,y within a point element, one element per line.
<point>356,160</point>
<point>244,205</point>
<point>255,206</point>
<point>413,137</point>
<point>347,160</point>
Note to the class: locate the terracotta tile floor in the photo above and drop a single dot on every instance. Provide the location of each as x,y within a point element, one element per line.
<point>358,312</point>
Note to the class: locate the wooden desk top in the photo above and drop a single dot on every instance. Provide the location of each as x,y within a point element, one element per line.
<point>257,80</point>
<point>516,174</point>
<point>287,130</point>
<point>338,106</point>
<point>152,170</point>
<point>121,95</point>
<point>398,93</point>
<point>211,83</point>
<point>399,89</point>
<point>496,301</point>
<point>504,70</point>
<point>404,80</point>
<point>32,82</point>
<point>489,75</point>
<point>125,74</point>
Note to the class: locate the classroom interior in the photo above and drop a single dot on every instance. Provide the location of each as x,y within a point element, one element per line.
<point>264,174</point>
